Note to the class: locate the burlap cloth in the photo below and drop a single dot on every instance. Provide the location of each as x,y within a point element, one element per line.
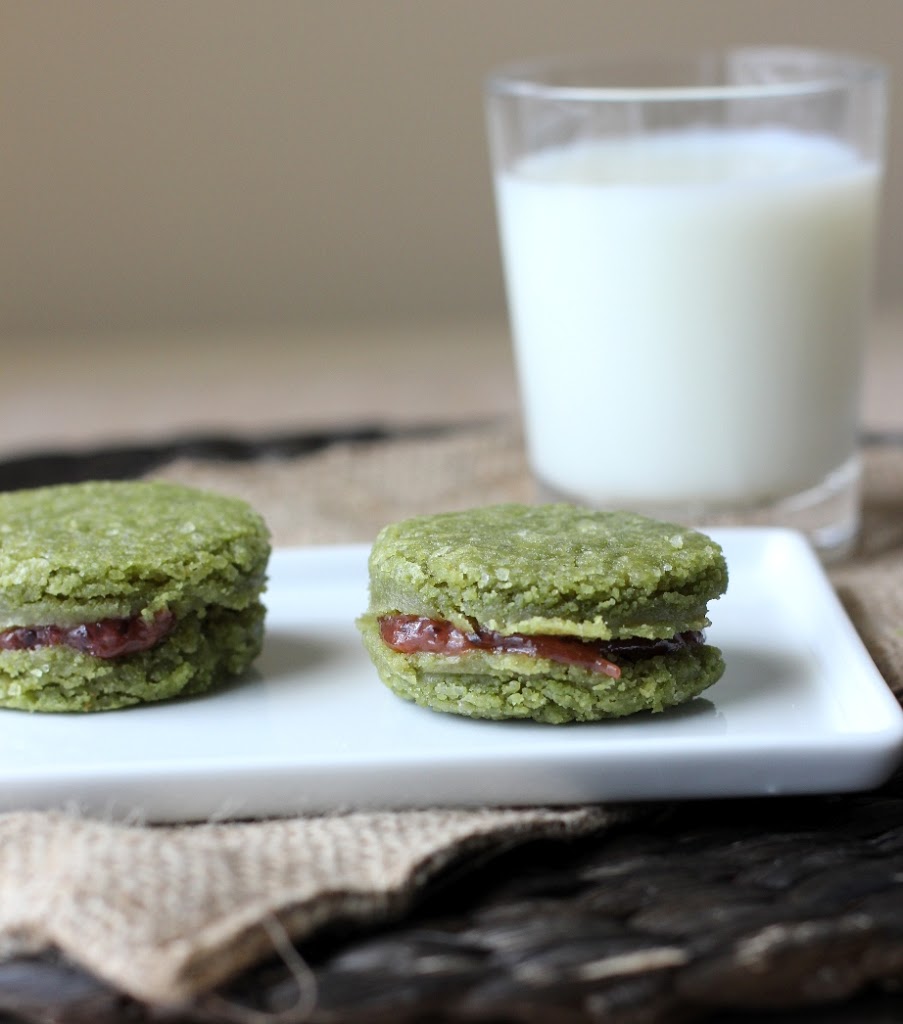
<point>167,913</point>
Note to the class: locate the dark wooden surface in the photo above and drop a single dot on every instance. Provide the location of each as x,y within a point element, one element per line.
<point>780,910</point>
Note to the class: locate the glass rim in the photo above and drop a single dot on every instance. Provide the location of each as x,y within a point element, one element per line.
<point>532,77</point>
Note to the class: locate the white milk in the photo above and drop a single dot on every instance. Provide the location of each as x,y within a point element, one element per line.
<point>694,334</point>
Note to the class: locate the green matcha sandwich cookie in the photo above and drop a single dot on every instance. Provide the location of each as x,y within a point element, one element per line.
<point>549,612</point>
<point>114,594</point>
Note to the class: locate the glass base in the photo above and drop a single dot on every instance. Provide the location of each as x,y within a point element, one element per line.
<point>828,515</point>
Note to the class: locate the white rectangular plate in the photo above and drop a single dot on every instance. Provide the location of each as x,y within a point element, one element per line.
<point>800,709</point>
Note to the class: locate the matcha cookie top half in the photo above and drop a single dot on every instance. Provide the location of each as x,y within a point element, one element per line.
<point>82,552</point>
<point>549,569</point>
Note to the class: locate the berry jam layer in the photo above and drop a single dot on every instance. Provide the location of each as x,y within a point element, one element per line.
<point>108,638</point>
<point>410,634</point>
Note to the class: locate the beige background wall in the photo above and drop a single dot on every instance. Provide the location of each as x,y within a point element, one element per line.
<point>171,164</point>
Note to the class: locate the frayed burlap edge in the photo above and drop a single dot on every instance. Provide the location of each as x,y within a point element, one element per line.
<point>165,914</point>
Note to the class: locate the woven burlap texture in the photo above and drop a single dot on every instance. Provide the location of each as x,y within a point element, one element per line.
<point>166,913</point>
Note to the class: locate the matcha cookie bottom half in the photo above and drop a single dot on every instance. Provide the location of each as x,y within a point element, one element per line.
<point>552,613</point>
<point>121,593</point>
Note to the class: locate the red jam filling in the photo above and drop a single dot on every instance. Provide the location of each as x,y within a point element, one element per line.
<point>108,638</point>
<point>410,634</point>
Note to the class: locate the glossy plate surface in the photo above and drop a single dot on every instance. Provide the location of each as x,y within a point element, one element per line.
<point>800,709</point>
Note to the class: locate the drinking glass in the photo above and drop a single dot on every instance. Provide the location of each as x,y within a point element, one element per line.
<point>688,247</point>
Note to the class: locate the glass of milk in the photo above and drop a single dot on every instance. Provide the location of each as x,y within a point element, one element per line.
<point>688,251</point>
